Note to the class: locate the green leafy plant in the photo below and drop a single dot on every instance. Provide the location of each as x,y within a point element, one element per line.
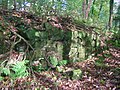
<point>39,67</point>
<point>5,71</point>
<point>76,74</point>
<point>100,62</point>
<point>53,61</point>
<point>63,62</point>
<point>19,69</point>
<point>60,68</point>
<point>102,81</point>
<point>1,78</point>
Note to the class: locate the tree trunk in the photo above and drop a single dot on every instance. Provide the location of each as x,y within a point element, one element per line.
<point>84,8</point>
<point>14,5</point>
<point>88,9</point>
<point>93,6</point>
<point>24,5</point>
<point>110,14</point>
<point>100,9</point>
<point>4,4</point>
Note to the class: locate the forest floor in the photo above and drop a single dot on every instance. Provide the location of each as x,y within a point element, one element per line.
<point>95,76</point>
<point>98,73</point>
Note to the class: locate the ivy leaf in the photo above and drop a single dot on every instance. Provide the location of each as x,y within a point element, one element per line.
<point>63,62</point>
<point>37,34</point>
<point>54,61</point>
<point>59,69</point>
